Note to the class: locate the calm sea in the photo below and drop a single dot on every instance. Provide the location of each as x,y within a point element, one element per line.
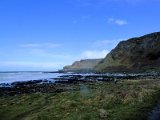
<point>9,77</point>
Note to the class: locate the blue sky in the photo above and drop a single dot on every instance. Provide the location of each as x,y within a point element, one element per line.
<point>48,34</point>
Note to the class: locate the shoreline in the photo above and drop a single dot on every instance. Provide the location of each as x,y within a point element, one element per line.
<point>65,83</point>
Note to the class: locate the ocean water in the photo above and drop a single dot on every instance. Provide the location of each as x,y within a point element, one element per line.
<point>9,77</point>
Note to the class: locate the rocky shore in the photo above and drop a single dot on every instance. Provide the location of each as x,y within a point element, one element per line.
<point>67,83</point>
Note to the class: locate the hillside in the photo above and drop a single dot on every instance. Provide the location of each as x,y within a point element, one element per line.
<point>134,55</point>
<point>82,65</point>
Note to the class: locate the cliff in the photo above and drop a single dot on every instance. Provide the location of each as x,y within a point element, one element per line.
<point>134,55</point>
<point>86,65</point>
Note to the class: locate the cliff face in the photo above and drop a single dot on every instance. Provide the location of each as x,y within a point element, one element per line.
<point>82,65</point>
<point>136,54</point>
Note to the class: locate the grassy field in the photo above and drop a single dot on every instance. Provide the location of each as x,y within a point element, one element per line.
<point>126,100</point>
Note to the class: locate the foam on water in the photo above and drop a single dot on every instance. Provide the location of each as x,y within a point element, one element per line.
<point>9,77</point>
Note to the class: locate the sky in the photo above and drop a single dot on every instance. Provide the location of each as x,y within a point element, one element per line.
<point>46,35</point>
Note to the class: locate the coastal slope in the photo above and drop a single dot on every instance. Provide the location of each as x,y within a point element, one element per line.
<point>134,55</point>
<point>85,65</point>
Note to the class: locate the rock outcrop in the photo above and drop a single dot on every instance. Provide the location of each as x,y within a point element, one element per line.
<point>134,55</point>
<point>86,65</point>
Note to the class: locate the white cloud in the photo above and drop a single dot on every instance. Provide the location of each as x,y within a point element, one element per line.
<point>120,22</point>
<point>117,21</point>
<point>28,64</point>
<point>42,50</point>
<point>91,54</point>
<point>30,45</point>
<point>38,45</point>
<point>48,54</point>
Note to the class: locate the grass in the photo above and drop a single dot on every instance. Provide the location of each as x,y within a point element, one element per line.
<point>126,100</point>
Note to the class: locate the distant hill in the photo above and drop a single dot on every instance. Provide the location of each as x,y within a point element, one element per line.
<point>86,65</point>
<point>134,55</point>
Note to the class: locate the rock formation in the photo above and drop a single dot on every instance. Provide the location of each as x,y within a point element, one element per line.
<point>86,65</point>
<point>134,55</point>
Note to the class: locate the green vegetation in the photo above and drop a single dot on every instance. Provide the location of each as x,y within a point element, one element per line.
<point>126,100</point>
<point>85,65</point>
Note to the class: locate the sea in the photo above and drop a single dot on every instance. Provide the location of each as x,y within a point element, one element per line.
<point>15,76</point>
<point>19,76</point>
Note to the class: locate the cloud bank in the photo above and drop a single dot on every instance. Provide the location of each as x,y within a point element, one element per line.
<point>35,65</point>
<point>38,45</point>
<point>93,54</point>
